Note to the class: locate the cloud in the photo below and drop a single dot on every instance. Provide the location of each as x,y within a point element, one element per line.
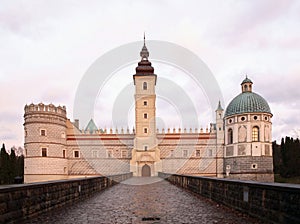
<point>46,47</point>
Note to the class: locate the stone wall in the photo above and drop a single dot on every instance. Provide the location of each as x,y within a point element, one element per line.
<point>270,202</point>
<point>20,202</point>
<point>255,168</point>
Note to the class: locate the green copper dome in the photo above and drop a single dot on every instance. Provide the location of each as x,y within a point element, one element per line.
<point>247,102</point>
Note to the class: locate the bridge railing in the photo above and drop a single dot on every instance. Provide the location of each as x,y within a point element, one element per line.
<point>270,202</point>
<point>22,201</point>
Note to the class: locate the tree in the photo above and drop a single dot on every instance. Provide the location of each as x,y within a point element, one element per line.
<point>277,158</point>
<point>11,166</point>
<point>4,166</point>
<point>12,171</point>
<point>290,156</point>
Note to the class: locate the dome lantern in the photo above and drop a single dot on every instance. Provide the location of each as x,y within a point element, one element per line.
<point>246,85</point>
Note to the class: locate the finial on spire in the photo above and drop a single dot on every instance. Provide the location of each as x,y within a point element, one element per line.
<point>144,52</point>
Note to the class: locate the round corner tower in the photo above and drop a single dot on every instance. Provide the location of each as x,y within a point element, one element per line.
<point>248,137</point>
<point>45,143</point>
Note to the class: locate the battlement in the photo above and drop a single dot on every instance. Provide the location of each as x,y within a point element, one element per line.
<point>184,131</point>
<point>158,131</point>
<point>42,108</point>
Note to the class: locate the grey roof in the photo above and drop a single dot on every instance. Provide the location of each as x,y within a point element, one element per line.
<point>247,102</point>
<point>91,127</point>
<point>219,106</point>
<point>246,80</point>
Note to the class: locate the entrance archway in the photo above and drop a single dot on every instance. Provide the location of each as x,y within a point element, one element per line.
<point>146,171</point>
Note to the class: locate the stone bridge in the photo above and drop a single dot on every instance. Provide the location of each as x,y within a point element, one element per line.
<point>147,200</point>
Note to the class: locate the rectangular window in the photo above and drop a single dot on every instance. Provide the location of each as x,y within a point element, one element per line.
<point>145,130</point>
<point>145,86</point>
<point>109,154</point>
<point>76,154</point>
<point>64,153</point>
<point>197,153</point>
<point>210,152</point>
<point>145,103</point>
<point>145,147</point>
<point>94,154</point>
<point>124,154</point>
<point>43,132</point>
<point>44,152</point>
<point>185,153</point>
<point>255,134</point>
<point>145,116</point>
<point>172,153</point>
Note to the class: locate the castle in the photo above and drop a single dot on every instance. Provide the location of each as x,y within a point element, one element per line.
<point>237,145</point>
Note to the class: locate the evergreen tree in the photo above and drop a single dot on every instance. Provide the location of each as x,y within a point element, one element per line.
<point>12,166</point>
<point>277,158</point>
<point>4,166</point>
<point>290,153</point>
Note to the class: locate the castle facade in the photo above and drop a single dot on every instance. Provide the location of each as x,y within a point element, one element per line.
<point>237,145</point>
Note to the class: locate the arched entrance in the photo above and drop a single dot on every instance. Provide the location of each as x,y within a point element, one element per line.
<point>146,171</point>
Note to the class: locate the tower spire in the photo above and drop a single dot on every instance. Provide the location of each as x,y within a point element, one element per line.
<point>219,106</point>
<point>144,52</point>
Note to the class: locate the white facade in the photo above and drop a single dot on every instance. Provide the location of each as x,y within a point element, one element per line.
<point>236,145</point>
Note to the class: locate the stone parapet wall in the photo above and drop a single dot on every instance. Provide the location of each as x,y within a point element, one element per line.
<point>20,202</point>
<point>270,202</point>
<point>256,168</point>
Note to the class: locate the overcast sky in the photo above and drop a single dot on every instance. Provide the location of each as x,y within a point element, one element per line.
<point>47,46</point>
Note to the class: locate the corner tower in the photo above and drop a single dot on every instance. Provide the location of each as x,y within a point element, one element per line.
<point>45,143</point>
<point>145,154</point>
<point>248,137</point>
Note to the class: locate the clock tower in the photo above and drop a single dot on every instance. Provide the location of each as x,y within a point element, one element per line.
<point>145,154</point>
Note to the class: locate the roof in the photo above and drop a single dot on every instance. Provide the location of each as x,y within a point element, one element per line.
<point>246,80</point>
<point>247,102</point>
<point>219,106</point>
<point>91,127</point>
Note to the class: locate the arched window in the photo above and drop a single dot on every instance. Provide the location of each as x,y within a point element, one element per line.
<point>230,136</point>
<point>255,134</point>
<point>145,86</point>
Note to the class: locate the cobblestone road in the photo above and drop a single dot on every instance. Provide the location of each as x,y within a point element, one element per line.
<point>138,201</point>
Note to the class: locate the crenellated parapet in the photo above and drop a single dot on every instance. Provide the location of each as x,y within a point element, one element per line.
<point>45,113</point>
<point>184,130</point>
<point>108,131</point>
<point>43,108</point>
<point>121,131</point>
